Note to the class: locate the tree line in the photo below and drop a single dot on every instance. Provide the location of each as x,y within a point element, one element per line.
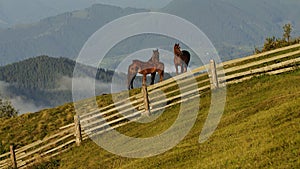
<point>35,78</point>
<point>42,72</point>
<point>272,43</point>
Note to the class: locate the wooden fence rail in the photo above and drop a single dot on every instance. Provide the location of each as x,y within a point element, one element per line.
<point>235,61</point>
<point>153,98</point>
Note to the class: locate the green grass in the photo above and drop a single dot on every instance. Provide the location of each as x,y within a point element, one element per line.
<point>268,64</point>
<point>262,57</point>
<point>31,127</point>
<point>259,129</point>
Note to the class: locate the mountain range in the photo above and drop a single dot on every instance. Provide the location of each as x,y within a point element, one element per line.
<point>14,12</point>
<point>62,35</point>
<point>234,24</point>
<point>234,27</point>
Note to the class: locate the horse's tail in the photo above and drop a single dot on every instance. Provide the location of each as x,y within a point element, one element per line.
<point>186,57</point>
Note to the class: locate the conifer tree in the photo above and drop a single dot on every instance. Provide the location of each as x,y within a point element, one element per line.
<point>287,29</point>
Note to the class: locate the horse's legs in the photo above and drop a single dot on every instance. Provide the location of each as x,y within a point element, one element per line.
<point>131,82</point>
<point>182,67</point>
<point>144,79</point>
<point>130,79</point>
<point>152,78</point>
<point>176,67</point>
<point>132,72</point>
<point>161,74</point>
<point>129,76</point>
<point>185,68</point>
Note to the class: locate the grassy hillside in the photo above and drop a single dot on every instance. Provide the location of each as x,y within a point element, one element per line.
<point>259,129</point>
<point>30,127</point>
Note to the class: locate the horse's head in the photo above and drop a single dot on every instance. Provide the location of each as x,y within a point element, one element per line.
<point>177,50</point>
<point>155,56</point>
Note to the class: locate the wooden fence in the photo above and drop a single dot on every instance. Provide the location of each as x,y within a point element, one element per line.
<point>150,100</point>
<point>48,147</point>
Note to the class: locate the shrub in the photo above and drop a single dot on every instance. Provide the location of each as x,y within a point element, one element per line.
<point>6,109</point>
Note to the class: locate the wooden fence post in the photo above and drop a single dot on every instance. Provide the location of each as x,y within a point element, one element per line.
<point>146,99</point>
<point>13,156</point>
<point>214,82</point>
<point>78,134</point>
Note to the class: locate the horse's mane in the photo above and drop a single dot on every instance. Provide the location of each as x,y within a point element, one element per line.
<point>136,61</point>
<point>154,58</point>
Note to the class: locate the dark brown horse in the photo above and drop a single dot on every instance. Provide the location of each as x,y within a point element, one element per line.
<point>181,58</point>
<point>144,68</point>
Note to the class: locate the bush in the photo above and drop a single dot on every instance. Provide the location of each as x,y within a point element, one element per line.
<point>6,109</point>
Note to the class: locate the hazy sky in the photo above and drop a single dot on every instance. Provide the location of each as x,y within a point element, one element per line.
<point>138,3</point>
<point>26,11</point>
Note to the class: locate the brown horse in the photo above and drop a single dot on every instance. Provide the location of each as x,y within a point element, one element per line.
<point>144,68</point>
<point>181,58</point>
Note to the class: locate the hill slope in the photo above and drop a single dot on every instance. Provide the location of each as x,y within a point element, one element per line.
<point>259,129</point>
